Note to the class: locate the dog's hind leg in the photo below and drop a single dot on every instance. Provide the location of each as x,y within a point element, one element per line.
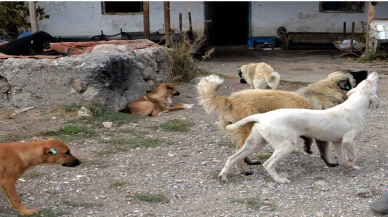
<point>254,143</point>
<point>307,144</point>
<point>323,148</point>
<point>286,148</point>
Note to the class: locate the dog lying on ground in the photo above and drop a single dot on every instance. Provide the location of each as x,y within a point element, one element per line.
<point>158,99</point>
<point>16,158</point>
<point>321,95</point>
<point>34,44</point>
<point>259,76</point>
<point>281,128</point>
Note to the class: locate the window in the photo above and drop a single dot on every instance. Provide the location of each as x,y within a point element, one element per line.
<point>121,7</point>
<point>342,7</point>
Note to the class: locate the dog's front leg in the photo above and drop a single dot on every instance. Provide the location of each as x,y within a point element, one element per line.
<point>14,199</point>
<point>350,147</point>
<point>342,156</point>
<point>179,107</point>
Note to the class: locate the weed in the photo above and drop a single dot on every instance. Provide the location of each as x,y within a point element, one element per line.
<point>82,204</point>
<point>152,198</point>
<point>71,130</point>
<point>226,143</point>
<point>263,156</point>
<point>176,125</point>
<point>124,144</point>
<point>117,184</point>
<point>184,67</point>
<point>32,174</point>
<point>48,213</point>
<point>253,203</point>
<point>15,137</point>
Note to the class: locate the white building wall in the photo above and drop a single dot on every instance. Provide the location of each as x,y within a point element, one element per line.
<point>77,18</point>
<point>305,17</point>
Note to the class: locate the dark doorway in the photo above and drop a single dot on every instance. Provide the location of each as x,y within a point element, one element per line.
<point>229,23</point>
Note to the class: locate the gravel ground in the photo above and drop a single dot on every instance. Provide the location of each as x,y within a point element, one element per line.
<point>184,168</point>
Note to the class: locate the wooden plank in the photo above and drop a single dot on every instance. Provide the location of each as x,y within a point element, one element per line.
<point>167,22</point>
<point>368,41</point>
<point>146,19</point>
<point>34,20</point>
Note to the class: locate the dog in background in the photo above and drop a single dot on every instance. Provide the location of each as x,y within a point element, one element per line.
<point>321,95</point>
<point>34,44</point>
<point>17,157</point>
<point>259,76</point>
<point>159,99</point>
<point>281,128</point>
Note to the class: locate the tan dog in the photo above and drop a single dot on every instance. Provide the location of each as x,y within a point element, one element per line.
<point>259,76</point>
<point>321,95</point>
<point>17,157</point>
<point>158,99</point>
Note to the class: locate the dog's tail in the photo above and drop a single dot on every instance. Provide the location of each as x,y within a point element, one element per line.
<point>273,80</point>
<point>251,118</point>
<point>207,95</point>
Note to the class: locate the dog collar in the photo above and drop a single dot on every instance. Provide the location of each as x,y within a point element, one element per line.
<point>53,151</point>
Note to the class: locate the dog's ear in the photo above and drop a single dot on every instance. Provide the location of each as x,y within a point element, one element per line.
<point>344,84</point>
<point>170,86</point>
<point>48,150</point>
<point>374,102</point>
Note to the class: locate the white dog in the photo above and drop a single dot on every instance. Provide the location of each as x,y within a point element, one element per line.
<point>259,76</point>
<point>281,128</point>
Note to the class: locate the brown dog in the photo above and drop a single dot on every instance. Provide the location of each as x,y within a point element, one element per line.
<point>158,99</point>
<point>17,157</point>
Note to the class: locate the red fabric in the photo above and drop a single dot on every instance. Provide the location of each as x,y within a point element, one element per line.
<point>75,48</point>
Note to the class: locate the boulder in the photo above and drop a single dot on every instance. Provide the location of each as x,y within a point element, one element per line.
<point>112,75</point>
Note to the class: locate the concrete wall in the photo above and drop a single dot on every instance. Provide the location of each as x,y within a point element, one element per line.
<point>79,18</point>
<point>305,17</point>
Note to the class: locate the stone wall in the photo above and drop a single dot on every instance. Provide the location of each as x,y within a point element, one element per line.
<point>111,74</point>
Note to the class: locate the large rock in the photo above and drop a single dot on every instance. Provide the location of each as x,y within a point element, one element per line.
<point>111,74</point>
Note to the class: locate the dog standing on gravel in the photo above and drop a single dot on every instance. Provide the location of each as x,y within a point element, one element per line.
<point>321,95</point>
<point>16,158</point>
<point>158,99</point>
<point>281,128</point>
<point>259,76</point>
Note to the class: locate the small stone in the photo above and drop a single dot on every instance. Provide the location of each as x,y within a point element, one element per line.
<point>107,124</point>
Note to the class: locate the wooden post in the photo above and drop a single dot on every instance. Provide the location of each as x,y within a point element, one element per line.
<point>146,19</point>
<point>167,22</point>
<point>368,41</point>
<point>34,22</point>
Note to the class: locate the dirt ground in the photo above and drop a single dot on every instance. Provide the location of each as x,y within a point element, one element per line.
<point>183,169</point>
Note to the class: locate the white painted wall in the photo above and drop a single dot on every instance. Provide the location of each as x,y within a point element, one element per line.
<point>305,17</point>
<point>77,18</point>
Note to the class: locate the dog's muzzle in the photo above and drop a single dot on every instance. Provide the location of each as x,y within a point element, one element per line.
<point>74,163</point>
<point>177,93</point>
<point>242,80</point>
